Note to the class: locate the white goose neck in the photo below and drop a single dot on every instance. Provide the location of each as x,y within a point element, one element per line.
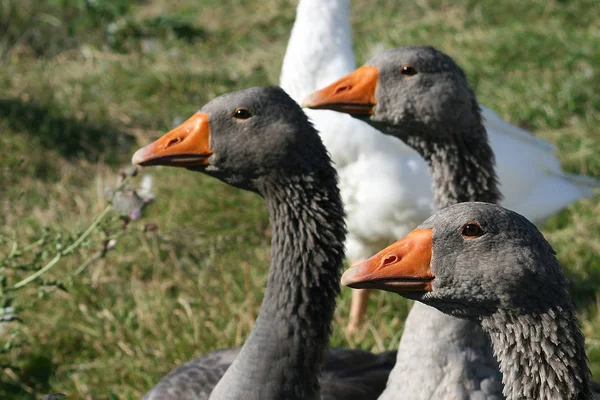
<point>320,47</point>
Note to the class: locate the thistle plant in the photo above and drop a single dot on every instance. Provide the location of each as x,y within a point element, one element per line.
<point>28,272</point>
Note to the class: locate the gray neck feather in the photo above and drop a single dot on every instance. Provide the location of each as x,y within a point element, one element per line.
<point>541,355</point>
<point>282,356</point>
<point>462,167</point>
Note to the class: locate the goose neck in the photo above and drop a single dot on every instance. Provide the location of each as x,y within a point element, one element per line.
<point>291,334</point>
<point>462,166</point>
<point>320,47</point>
<point>541,354</point>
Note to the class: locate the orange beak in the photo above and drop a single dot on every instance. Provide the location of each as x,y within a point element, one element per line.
<point>187,146</point>
<point>403,267</point>
<point>353,94</point>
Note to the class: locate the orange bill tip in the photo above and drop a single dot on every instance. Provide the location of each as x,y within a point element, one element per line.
<point>403,267</point>
<point>352,94</point>
<point>188,145</point>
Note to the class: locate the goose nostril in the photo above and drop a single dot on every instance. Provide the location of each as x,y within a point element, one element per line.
<point>173,141</point>
<point>390,259</point>
<point>340,89</point>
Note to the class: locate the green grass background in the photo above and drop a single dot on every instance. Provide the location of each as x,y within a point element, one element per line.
<point>85,82</point>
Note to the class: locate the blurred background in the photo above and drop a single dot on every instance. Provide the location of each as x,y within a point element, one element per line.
<point>85,82</point>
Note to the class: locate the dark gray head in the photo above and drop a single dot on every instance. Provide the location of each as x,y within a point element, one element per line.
<point>407,91</point>
<point>243,138</point>
<point>469,260</point>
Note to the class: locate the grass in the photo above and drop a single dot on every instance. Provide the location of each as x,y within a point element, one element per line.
<point>86,82</point>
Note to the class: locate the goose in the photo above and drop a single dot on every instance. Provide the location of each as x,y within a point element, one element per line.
<point>260,140</point>
<point>492,266</point>
<point>385,185</point>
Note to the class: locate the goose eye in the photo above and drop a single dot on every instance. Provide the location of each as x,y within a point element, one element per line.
<point>472,230</point>
<point>408,70</point>
<point>241,113</point>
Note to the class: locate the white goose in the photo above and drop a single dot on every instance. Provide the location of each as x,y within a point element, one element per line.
<point>385,185</point>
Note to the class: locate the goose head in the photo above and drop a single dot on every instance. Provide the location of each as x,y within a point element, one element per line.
<point>405,90</point>
<point>242,138</point>
<point>469,260</point>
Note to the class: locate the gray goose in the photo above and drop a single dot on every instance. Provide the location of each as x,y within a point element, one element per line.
<point>490,265</point>
<point>421,96</point>
<point>260,140</point>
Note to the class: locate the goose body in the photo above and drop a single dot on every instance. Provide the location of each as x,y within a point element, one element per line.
<point>260,140</point>
<point>385,184</point>
<point>492,266</point>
